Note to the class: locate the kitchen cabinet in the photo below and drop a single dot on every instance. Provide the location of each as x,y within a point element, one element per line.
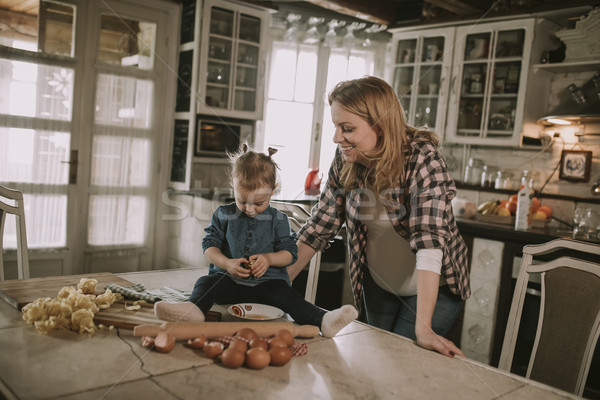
<point>489,81</point>
<point>420,75</point>
<point>480,310</point>
<point>184,124</point>
<point>232,60</point>
<point>221,53</point>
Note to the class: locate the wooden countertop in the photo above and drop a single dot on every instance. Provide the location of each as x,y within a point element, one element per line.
<point>360,362</point>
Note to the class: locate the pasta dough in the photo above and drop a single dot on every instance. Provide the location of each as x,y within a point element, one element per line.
<point>72,309</point>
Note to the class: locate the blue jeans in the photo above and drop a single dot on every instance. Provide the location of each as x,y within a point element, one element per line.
<point>398,313</point>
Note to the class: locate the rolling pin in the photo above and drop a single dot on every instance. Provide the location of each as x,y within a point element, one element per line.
<point>191,330</point>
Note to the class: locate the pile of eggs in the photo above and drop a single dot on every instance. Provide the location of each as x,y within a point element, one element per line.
<point>249,349</point>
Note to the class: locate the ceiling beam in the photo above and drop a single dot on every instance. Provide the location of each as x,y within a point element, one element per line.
<point>460,7</point>
<point>383,13</point>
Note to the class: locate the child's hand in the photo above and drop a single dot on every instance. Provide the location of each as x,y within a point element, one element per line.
<point>260,264</point>
<point>235,267</point>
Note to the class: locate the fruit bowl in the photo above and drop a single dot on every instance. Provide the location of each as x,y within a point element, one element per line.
<point>498,219</point>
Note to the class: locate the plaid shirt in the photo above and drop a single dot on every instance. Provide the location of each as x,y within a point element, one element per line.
<point>421,213</point>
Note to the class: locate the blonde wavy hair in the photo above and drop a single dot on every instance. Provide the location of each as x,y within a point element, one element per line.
<point>374,100</point>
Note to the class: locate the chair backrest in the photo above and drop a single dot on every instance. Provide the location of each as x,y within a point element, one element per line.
<point>297,216</point>
<point>569,319</point>
<point>17,209</point>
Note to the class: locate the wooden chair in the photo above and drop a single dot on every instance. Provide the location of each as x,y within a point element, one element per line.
<point>297,216</point>
<point>569,319</point>
<point>18,210</point>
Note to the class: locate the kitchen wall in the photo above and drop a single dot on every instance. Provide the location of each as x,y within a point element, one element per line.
<point>543,162</point>
<point>189,216</point>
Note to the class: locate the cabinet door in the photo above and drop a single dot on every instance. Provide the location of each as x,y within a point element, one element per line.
<point>232,61</point>
<point>420,75</point>
<point>488,91</point>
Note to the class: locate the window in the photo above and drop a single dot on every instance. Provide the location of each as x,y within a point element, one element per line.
<point>36,108</point>
<point>297,116</point>
<point>81,127</point>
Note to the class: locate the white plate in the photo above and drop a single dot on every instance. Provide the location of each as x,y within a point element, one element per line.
<point>254,311</point>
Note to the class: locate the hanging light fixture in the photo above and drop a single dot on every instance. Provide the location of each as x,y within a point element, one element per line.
<point>371,30</point>
<point>331,35</point>
<point>349,38</point>
<point>291,34</point>
<point>312,35</point>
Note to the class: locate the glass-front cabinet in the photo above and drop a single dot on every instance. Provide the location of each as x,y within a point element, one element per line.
<point>420,75</point>
<point>491,63</point>
<point>232,61</point>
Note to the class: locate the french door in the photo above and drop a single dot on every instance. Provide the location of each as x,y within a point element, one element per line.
<point>82,128</point>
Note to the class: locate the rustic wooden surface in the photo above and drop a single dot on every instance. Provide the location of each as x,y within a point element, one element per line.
<point>18,292</point>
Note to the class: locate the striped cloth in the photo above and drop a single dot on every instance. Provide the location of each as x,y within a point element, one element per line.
<point>139,292</point>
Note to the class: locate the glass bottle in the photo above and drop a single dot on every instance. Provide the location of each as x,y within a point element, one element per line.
<point>504,180</point>
<point>488,176</point>
<point>473,171</point>
<point>524,200</point>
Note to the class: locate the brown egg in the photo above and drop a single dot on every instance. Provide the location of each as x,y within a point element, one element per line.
<point>277,342</point>
<point>280,355</point>
<point>233,358</point>
<point>213,349</point>
<point>148,341</point>
<point>246,333</point>
<point>238,345</point>
<point>164,342</point>
<point>257,358</point>
<point>286,336</point>
<point>198,342</point>
<point>260,343</point>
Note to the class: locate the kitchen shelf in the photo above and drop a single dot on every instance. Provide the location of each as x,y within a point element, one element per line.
<point>569,67</point>
<point>593,200</point>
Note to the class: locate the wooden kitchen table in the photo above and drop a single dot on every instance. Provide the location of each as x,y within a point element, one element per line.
<point>360,362</point>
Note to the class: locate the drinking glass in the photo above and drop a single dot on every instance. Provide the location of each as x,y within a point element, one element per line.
<point>582,222</point>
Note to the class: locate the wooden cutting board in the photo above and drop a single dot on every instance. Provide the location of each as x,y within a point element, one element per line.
<point>20,292</point>
<point>120,317</point>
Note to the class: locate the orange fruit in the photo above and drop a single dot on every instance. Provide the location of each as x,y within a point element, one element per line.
<point>512,207</point>
<point>504,212</point>
<point>535,204</point>
<point>539,215</point>
<point>546,210</point>
<point>513,198</point>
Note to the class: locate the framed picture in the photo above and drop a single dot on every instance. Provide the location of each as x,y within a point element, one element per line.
<point>575,165</point>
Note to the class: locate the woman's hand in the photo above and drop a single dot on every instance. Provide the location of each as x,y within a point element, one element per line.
<point>432,341</point>
<point>260,264</point>
<point>427,292</point>
<point>235,267</point>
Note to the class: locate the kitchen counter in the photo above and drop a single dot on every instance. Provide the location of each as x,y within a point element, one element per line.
<point>360,362</point>
<point>512,242</point>
<point>503,232</point>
